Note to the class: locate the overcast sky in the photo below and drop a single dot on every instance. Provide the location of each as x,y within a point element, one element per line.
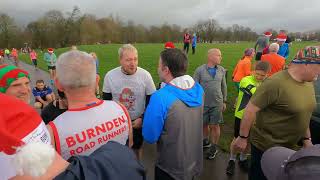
<point>259,15</point>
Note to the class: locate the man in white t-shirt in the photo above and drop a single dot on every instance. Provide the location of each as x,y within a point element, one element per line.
<point>131,86</point>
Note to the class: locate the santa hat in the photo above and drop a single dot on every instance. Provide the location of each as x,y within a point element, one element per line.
<point>24,135</point>
<point>50,50</point>
<point>268,33</point>
<point>8,74</point>
<point>169,45</point>
<point>281,37</point>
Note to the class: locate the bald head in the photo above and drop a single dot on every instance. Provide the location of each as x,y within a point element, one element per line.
<point>214,56</point>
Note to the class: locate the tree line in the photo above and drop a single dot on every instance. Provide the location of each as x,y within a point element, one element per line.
<point>58,29</point>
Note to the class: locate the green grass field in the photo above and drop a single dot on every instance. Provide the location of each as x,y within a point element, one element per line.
<point>149,57</point>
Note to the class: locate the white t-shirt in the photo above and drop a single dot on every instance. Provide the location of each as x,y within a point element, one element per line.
<point>129,90</point>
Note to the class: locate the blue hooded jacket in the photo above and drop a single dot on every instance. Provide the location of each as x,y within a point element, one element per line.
<point>161,102</point>
<point>173,119</point>
<point>284,50</point>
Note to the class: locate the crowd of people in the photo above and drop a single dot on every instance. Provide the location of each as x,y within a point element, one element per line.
<point>82,135</point>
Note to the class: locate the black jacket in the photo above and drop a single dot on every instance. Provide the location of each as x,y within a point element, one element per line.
<point>111,161</point>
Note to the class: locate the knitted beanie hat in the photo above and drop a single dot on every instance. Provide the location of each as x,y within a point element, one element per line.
<point>308,55</point>
<point>8,74</point>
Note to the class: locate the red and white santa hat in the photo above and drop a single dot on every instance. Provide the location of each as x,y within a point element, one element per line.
<point>50,50</point>
<point>169,45</point>
<point>268,33</point>
<point>282,37</point>
<point>24,137</point>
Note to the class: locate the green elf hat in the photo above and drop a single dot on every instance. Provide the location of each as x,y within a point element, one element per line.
<point>8,74</point>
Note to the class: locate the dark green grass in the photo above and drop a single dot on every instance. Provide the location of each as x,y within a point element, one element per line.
<point>149,57</point>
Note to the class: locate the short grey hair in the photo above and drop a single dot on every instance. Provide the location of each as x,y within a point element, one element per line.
<point>126,47</point>
<point>76,69</point>
<point>274,47</point>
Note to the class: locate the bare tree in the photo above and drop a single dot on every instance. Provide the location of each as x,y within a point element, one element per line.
<point>72,27</point>
<point>90,31</point>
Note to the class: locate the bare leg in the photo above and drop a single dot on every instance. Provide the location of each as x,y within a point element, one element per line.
<point>215,133</point>
<point>205,131</point>
<point>232,150</point>
<point>53,74</point>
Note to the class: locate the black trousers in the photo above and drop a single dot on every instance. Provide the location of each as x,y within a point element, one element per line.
<point>315,132</point>
<point>255,172</point>
<point>186,47</point>
<point>193,49</point>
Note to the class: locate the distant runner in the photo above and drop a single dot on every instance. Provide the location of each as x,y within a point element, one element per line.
<point>186,41</point>
<point>14,55</point>
<point>33,57</point>
<point>51,60</point>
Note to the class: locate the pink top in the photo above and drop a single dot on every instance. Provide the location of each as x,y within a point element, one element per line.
<point>14,53</point>
<point>33,55</point>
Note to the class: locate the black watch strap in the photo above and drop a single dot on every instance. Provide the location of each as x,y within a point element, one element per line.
<point>243,137</point>
<point>306,138</point>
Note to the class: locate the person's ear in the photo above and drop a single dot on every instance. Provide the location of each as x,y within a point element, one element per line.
<point>166,69</point>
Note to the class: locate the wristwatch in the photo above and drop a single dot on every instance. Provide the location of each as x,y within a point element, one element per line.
<point>243,137</point>
<point>306,138</point>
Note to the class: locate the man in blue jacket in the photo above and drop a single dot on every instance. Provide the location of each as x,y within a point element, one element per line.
<point>173,120</point>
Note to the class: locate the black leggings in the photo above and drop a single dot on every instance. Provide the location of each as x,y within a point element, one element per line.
<point>193,49</point>
<point>186,47</point>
